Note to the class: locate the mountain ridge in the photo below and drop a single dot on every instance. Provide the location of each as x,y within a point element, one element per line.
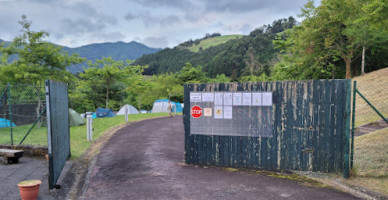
<point>119,51</point>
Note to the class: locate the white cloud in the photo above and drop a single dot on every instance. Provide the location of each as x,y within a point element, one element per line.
<point>157,23</point>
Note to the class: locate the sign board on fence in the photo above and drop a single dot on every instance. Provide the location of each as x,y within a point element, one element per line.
<point>238,113</point>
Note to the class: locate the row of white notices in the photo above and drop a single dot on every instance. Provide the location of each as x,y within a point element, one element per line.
<point>233,98</point>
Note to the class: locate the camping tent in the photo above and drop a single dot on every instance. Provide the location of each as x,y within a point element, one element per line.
<point>5,123</point>
<point>161,105</point>
<point>75,119</point>
<point>102,112</point>
<point>131,110</point>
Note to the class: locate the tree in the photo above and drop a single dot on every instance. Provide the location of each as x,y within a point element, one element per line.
<point>105,73</point>
<point>330,35</point>
<point>369,25</point>
<point>34,59</point>
<point>137,84</point>
<point>190,74</point>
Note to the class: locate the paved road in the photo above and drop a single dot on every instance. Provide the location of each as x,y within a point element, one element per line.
<point>145,161</point>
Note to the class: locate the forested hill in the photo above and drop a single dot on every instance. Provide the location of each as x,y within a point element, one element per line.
<point>118,51</point>
<point>252,54</point>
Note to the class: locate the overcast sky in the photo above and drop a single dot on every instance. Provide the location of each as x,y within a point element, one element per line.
<point>156,23</point>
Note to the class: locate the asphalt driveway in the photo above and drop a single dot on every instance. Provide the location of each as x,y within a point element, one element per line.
<point>145,161</point>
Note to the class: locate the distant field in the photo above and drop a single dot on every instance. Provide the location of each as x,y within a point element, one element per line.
<point>213,42</point>
<point>374,86</point>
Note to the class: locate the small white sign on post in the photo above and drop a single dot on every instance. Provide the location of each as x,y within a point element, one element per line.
<point>89,128</point>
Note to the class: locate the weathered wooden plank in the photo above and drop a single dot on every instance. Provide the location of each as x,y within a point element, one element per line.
<point>315,124</point>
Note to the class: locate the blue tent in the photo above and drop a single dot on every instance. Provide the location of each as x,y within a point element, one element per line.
<point>102,112</point>
<point>5,123</point>
<point>161,105</point>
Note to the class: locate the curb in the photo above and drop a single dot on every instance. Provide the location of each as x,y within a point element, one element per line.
<point>339,184</point>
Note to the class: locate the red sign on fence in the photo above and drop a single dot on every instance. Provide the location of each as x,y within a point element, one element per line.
<point>196,111</point>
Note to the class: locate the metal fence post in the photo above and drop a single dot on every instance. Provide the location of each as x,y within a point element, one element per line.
<point>89,128</point>
<point>126,114</point>
<point>10,111</point>
<point>353,122</point>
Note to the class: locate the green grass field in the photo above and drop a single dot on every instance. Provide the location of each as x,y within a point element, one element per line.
<point>78,143</point>
<point>204,44</point>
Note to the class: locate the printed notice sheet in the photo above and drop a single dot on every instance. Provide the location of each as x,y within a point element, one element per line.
<point>218,97</point>
<point>237,101</point>
<point>267,98</point>
<point>218,114</point>
<point>256,99</point>
<point>247,99</point>
<point>228,112</point>
<point>208,112</point>
<point>195,97</point>
<point>208,97</point>
<point>228,99</point>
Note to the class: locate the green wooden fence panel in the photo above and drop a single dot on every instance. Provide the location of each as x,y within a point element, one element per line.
<point>310,121</point>
<point>58,131</point>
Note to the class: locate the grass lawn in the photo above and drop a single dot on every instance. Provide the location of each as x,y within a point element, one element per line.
<point>371,161</point>
<point>78,143</point>
<point>213,42</point>
<point>374,86</point>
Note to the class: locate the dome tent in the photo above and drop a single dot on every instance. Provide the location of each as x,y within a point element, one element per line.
<point>161,105</point>
<point>75,118</point>
<point>102,112</point>
<point>6,123</point>
<point>131,110</point>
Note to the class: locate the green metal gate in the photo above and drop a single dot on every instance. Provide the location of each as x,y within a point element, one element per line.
<point>58,131</point>
<point>305,127</point>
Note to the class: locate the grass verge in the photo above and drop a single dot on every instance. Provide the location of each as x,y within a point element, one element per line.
<point>374,86</point>
<point>371,162</point>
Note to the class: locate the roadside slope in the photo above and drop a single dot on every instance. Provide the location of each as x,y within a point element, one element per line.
<point>374,86</point>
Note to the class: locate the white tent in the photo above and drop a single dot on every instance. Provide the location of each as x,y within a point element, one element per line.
<point>159,107</point>
<point>131,110</point>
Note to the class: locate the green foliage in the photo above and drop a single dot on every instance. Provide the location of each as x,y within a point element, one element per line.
<point>230,58</point>
<point>262,78</point>
<point>103,84</point>
<point>329,40</point>
<point>220,79</point>
<point>36,59</point>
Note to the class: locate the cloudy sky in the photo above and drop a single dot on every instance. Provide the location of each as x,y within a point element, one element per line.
<point>156,23</point>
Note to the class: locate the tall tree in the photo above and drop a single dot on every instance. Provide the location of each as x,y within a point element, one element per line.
<point>34,58</point>
<point>330,33</point>
<point>104,73</point>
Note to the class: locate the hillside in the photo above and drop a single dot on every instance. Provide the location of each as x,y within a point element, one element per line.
<point>232,55</point>
<point>374,86</point>
<point>214,41</point>
<point>118,51</point>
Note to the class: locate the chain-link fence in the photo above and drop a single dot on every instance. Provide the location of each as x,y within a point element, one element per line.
<point>22,115</point>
